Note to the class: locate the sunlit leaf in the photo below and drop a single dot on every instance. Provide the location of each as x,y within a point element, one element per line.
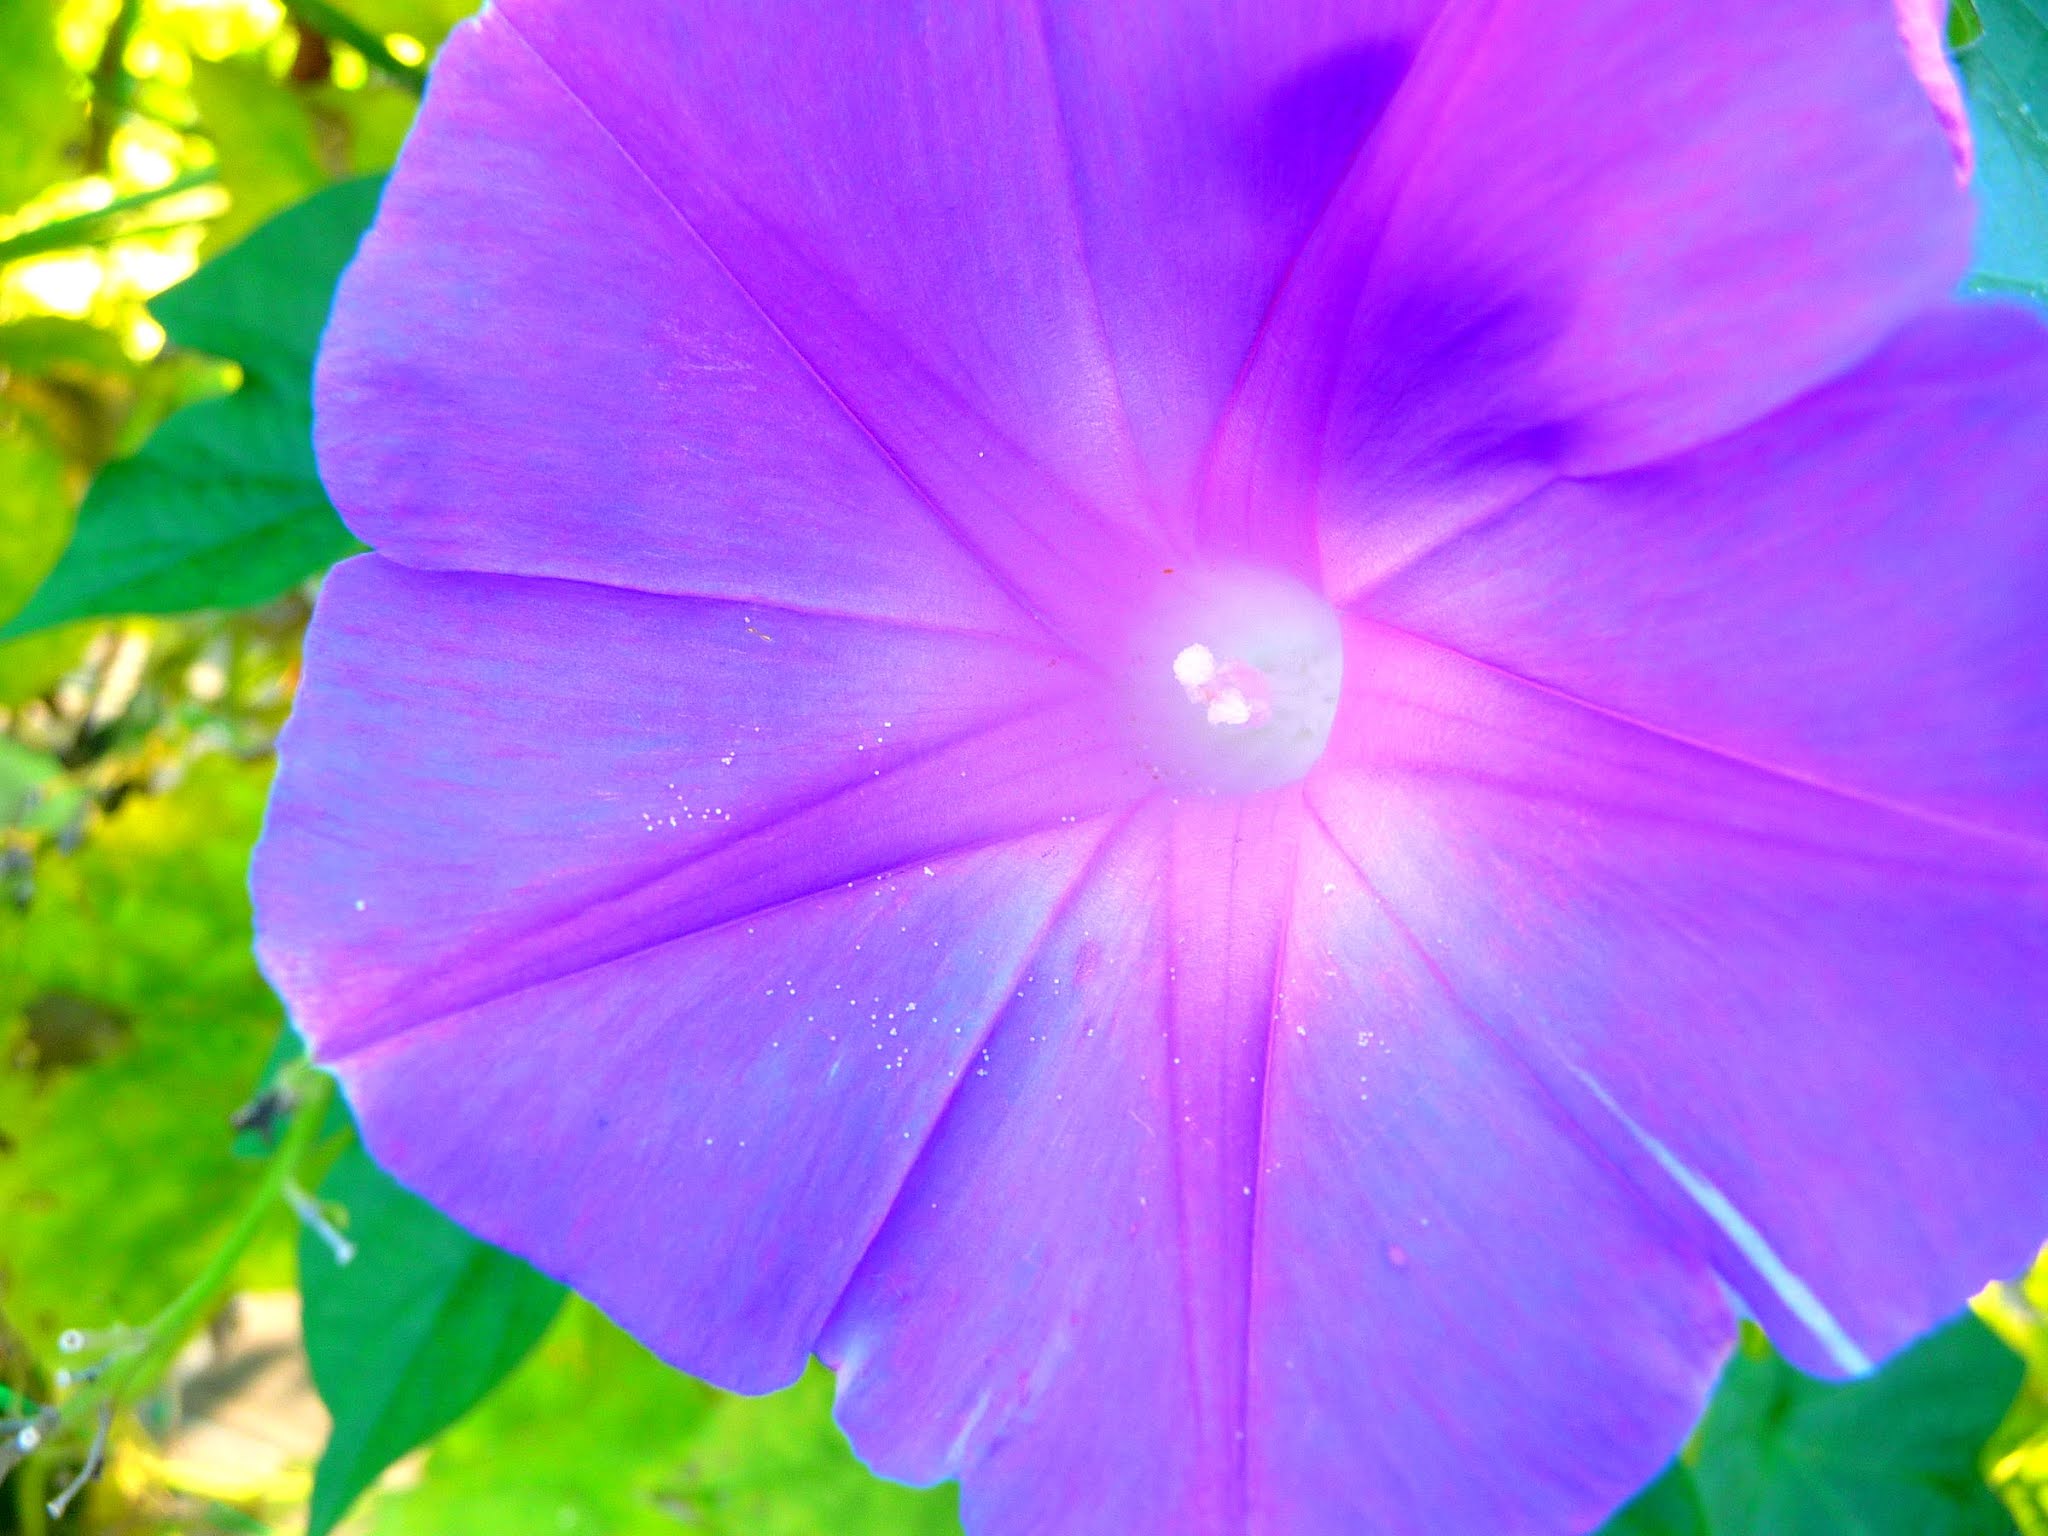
<point>223,505</point>
<point>264,137</point>
<point>407,1336</point>
<point>35,520</point>
<point>38,114</point>
<point>34,795</point>
<point>595,1437</point>
<point>376,118</point>
<point>1898,1453</point>
<point>52,343</point>
<point>777,1466</point>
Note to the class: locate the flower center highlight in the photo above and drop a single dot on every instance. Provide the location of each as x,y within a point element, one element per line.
<point>1237,675</point>
<point>1232,693</point>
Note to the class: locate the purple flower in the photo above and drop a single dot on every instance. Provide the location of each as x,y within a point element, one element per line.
<point>1247,748</point>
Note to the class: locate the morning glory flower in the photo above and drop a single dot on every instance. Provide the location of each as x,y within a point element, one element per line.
<point>1250,749</point>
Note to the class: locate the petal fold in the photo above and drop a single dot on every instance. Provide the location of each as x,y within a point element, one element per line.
<point>1585,239</point>
<point>490,782</point>
<point>1803,1021</point>
<point>1853,592</point>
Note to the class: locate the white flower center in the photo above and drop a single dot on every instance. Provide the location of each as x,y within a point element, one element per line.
<point>1231,693</point>
<point>1238,674</point>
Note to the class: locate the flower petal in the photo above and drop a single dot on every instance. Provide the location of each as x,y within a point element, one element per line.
<point>1055,1312</point>
<point>1205,139</point>
<point>1804,1020</point>
<point>492,782</point>
<point>544,362</point>
<point>1585,239</point>
<point>1465,1316</point>
<point>1152,1264</point>
<point>1853,592</point>
<point>935,297</point>
<point>1728,780</point>
<point>702,1136</point>
<point>1923,25</point>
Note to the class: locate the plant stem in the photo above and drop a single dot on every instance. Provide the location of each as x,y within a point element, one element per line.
<point>167,1332</point>
<point>110,86</point>
<point>32,1485</point>
<point>101,224</point>
<point>332,23</point>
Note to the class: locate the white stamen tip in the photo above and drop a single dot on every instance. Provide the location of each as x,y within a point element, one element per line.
<point>1230,707</point>
<point>1194,666</point>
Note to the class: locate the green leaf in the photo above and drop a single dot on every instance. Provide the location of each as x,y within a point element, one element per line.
<point>1897,1453</point>
<point>376,118</point>
<point>223,505</point>
<point>2005,75</point>
<point>1668,1507</point>
<point>265,302</point>
<point>410,1334</point>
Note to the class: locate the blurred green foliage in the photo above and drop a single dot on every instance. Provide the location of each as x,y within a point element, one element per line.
<point>155,456</point>
<point>136,1022</point>
<point>613,1443</point>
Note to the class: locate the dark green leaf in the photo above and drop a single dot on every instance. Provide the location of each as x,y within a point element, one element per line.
<point>265,302</point>
<point>1895,1454</point>
<point>1668,1507</point>
<point>223,505</point>
<point>2005,74</point>
<point>409,1335</point>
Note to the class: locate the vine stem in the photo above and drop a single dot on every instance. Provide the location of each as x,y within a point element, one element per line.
<point>33,1479</point>
<point>124,1378</point>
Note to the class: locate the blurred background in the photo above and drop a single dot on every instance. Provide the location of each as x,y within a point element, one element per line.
<point>215,1315</point>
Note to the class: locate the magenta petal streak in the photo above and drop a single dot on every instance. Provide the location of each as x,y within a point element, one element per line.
<point>1246,750</point>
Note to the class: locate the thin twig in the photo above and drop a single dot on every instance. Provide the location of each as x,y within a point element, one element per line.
<point>110,87</point>
<point>332,23</point>
<point>95,1458</point>
<point>100,224</point>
